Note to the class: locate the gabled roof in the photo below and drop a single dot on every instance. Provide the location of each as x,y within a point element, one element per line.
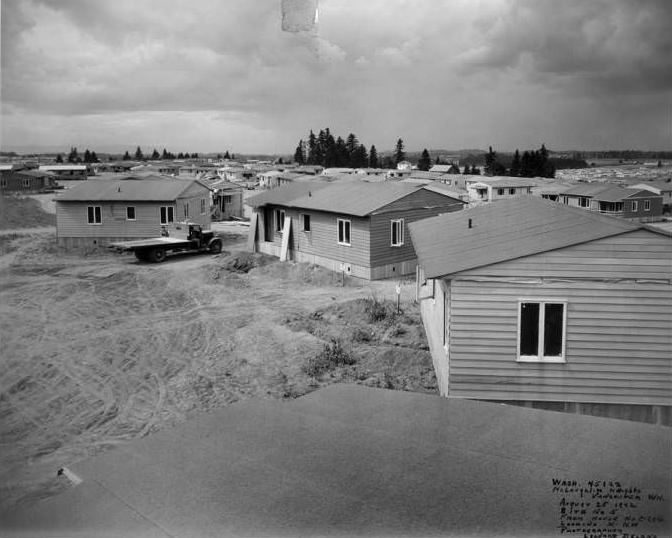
<point>507,182</point>
<point>284,194</point>
<point>504,231</point>
<point>62,167</point>
<point>150,189</point>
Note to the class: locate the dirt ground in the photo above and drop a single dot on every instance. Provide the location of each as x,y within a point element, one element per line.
<point>100,349</point>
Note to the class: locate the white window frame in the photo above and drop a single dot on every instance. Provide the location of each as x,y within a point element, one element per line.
<point>169,212</point>
<point>647,205</point>
<point>500,191</point>
<point>26,183</point>
<point>227,199</point>
<point>279,218</point>
<point>540,357</point>
<point>400,233</point>
<point>134,212</point>
<point>341,236</point>
<point>305,219</point>
<point>185,209</point>
<point>97,212</point>
<point>634,205</point>
<point>203,207</point>
<point>512,190</point>
<point>3,183</point>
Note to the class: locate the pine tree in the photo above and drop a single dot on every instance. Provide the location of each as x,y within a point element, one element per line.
<point>425,160</point>
<point>299,154</point>
<point>155,155</point>
<point>226,155</point>
<point>438,160</point>
<point>359,158</point>
<point>467,170</point>
<point>373,158</point>
<point>399,154</point>
<point>515,164</point>
<point>126,157</point>
<point>312,148</point>
<point>59,158</point>
<point>87,156</point>
<point>73,156</point>
<point>138,154</point>
<point>343,156</point>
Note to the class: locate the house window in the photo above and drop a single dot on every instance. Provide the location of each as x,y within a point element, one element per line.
<point>94,214</point>
<point>584,202</point>
<point>500,192</point>
<point>397,232</point>
<point>130,213</point>
<point>186,210</point>
<point>167,214</point>
<point>227,199</point>
<point>3,183</point>
<point>343,232</point>
<point>279,219</point>
<point>634,206</point>
<point>647,205</point>
<point>512,191</point>
<point>541,331</point>
<point>202,206</point>
<point>306,222</point>
<point>26,183</point>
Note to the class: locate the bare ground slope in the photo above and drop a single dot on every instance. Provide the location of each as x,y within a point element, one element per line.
<point>101,349</point>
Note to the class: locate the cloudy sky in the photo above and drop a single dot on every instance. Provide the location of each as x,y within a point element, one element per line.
<point>213,75</point>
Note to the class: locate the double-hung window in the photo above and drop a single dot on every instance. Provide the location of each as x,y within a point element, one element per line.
<point>306,222</point>
<point>647,205</point>
<point>279,219</point>
<point>202,206</point>
<point>397,231</point>
<point>130,212</point>
<point>541,331</point>
<point>167,214</point>
<point>634,206</point>
<point>343,232</point>
<point>94,214</point>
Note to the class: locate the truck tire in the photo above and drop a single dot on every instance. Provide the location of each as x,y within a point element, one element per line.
<point>157,255</point>
<point>215,246</point>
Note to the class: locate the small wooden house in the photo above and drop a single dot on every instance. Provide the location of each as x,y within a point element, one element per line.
<point>66,171</point>
<point>536,302</point>
<point>98,212</point>
<point>227,200</point>
<point>614,200</point>
<point>27,181</point>
<point>356,227</point>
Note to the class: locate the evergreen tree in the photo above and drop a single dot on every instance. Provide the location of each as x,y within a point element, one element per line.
<point>226,155</point>
<point>343,156</point>
<point>360,158</point>
<point>475,171</point>
<point>373,158</point>
<point>526,169</point>
<point>164,155</point>
<point>138,154</point>
<point>155,155</point>
<point>94,157</point>
<point>126,157</point>
<point>180,155</point>
<point>73,156</point>
<point>454,169</point>
<point>87,156</point>
<point>59,158</point>
<point>330,156</point>
<point>399,154</point>
<point>438,160</point>
<point>425,160</point>
<point>467,170</point>
<point>194,155</point>
<point>515,164</point>
<point>299,154</point>
<point>313,157</point>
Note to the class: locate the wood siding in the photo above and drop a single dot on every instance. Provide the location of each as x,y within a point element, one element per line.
<point>618,330</point>
<point>433,296</point>
<point>72,218</point>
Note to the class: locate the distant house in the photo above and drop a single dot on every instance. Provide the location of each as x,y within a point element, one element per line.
<point>446,168</point>
<point>534,302</point>
<point>98,212</point>
<point>616,201</point>
<point>227,200</point>
<point>27,181</point>
<point>66,171</point>
<point>663,188</point>
<point>356,227</point>
<point>498,188</point>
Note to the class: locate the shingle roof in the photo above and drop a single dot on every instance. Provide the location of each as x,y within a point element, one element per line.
<point>284,194</point>
<point>150,189</point>
<point>504,231</point>
<point>506,182</point>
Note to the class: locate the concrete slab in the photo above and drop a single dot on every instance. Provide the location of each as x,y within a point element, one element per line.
<point>353,461</point>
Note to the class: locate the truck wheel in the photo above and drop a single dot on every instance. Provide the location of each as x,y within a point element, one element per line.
<point>157,255</point>
<point>215,247</point>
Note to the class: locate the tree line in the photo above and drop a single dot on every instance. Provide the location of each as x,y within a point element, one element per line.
<point>534,163</point>
<point>90,156</point>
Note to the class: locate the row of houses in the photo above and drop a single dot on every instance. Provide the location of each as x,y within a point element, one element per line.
<point>523,300</point>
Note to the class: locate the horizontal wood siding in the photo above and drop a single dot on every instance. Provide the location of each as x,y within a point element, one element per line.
<point>418,205</point>
<point>635,255</point>
<point>432,299</point>
<point>618,342</point>
<point>194,203</point>
<point>322,239</point>
<point>71,220</point>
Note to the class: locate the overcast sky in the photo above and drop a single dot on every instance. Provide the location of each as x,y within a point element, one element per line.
<point>214,75</point>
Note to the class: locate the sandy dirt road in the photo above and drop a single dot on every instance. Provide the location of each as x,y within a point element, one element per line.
<point>101,349</point>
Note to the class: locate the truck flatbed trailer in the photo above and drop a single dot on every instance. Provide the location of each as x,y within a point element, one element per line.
<point>156,249</point>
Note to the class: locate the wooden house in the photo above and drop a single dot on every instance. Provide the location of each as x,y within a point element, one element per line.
<point>635,204</point>
<point>27,181</point>
<point>98,212</point>
<point>66,171</point>
<point>356,227</point>
<point>532,301</point>
<point>492,189</point>
<point>227,200</point>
